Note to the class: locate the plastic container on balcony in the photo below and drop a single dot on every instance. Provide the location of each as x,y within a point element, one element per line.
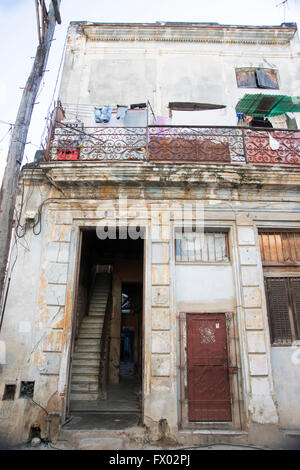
<point>68,154</point>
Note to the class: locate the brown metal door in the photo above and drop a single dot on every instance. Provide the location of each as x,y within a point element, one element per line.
<point>207,368</point>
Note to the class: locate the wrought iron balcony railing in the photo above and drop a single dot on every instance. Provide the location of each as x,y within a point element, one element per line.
<point>175,144</point>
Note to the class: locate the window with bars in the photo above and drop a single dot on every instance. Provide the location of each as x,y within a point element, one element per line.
<point>202,247</point>
<point>283,299</point>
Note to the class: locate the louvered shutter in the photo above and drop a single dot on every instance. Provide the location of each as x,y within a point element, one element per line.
<point>278,309</point>
<point>295,286</point>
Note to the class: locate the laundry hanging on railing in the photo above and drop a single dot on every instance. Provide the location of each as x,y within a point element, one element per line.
<point>136,118</point>
<point>102,114</point>
<point>121,111</point>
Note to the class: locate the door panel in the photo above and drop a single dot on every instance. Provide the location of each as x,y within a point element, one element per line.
<point>207,368</point>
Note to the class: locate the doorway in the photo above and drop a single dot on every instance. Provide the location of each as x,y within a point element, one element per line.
<point>209,396</point>
<point>106,363</point>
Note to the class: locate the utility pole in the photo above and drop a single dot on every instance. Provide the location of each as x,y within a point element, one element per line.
<point>8,193</point>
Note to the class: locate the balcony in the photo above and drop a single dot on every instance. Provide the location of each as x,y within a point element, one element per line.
<point>196,144</point>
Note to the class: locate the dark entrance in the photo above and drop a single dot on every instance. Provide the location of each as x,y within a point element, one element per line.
<point>106,372</point>
<point>207,368</point>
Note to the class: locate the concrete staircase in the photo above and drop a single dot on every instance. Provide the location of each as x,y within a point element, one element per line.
<point>86,356</point>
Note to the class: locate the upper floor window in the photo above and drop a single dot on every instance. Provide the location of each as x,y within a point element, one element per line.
<point>202,247</point>
<point>280,254</point>
<point>256,78</point>
<point>280,247</point>
<point>283,298</point>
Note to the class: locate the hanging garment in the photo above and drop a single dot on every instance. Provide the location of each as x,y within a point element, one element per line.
<point>121,111</point>
<point>274,144</point>
<point>278,121</point>
<point>102,114</point>
<point>136,118</point>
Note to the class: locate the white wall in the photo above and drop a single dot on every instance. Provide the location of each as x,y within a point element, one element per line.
<point>101,73</point>
<point>204,288</point>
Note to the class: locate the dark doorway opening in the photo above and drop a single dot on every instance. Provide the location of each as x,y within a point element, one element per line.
<point>106,372</point>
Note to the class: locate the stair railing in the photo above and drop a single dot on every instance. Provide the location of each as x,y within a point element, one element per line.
<point>104,350</point>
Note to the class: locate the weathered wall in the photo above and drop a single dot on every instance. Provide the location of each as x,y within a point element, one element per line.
<point>286,372</point>
<point>42,289</point>
<point>125,72</point>
<point>204,288</point>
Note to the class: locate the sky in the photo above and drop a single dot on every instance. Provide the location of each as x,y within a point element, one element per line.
<point>19,40</point>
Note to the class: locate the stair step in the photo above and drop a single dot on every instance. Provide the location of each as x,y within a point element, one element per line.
<point>96,322</point>
<point>98,313</point>
<point>85,369</point>
<point>87,341</point>
<point>87,396</point>
<point>93,320</point>
<point>103,297</point>
<point>84,387</point>
<point>99,298</point>
<point>90,335</point>
<point>88,355</point>
<point>84,378</point>
<point>86,362</point>
<point>91,329</point>
<point>97,305</point>
<point>87,349</point>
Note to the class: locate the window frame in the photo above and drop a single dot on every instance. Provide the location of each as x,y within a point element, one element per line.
<point>206,262</point>
<point>294,323</point>
<point>258,79</point>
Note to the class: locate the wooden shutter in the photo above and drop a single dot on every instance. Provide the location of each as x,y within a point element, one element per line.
<point>295,288</point>
<point>267,79</point>
<point>278,309</point>
<point>280,247</point>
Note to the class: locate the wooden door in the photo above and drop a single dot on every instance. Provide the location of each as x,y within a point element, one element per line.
<point>207,368</point>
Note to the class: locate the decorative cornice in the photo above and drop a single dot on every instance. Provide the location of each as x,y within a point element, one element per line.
<point>189,32</point>
<point>66,174</point>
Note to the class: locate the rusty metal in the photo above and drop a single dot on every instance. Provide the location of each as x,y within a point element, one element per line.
<point>195,144</point>
<point>259,151</point>
<point>209,396</point>
<point>101,143</point>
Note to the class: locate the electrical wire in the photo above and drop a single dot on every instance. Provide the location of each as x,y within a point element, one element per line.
<point>54,91</point>
<point>5,122</point>
<point>6,134</point>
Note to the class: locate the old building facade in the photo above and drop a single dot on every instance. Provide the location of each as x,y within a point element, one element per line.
<point>155,262</point>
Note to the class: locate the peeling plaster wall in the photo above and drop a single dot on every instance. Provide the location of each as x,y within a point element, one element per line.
<point>286,370</point>
<point>125,72</point>
<point>40,301</point>
<point>205,288</point>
